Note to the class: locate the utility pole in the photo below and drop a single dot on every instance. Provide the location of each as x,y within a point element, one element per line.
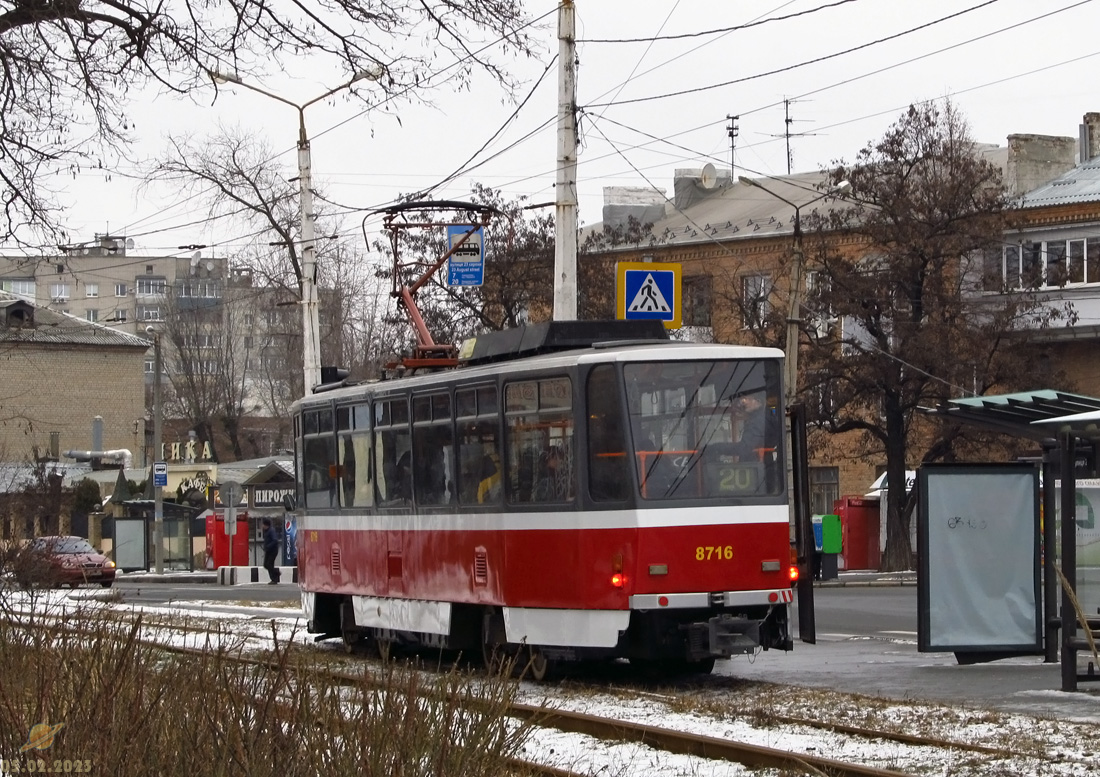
<point>311,316</point>
<point>158,495</point>
<point>311,326</point>
<point>565,211</point>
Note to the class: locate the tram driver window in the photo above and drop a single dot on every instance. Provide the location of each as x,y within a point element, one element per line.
<point>539,441</point>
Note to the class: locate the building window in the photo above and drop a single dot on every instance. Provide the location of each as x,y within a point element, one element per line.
<point>151,287</point>
<point>120,315</point>
<point>59,292</point>
<point>824,489</point>
<point>91,314</point>
<point>205,289</point>
<point>22,288</point>
<point>199,341</point>
<point>1044,264</point>
<point>696,301</point>
<point>754,299</point>
<point>149,313</point>
<point>150,366</point>
<point>120,289</point>
<point>91,289</point>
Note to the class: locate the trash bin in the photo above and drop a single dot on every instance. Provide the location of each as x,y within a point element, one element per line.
<point>831,545</point>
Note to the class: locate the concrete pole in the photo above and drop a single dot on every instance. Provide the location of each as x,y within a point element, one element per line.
<point>565,213</point>
<point>311,323</point>
<point>158,496</point>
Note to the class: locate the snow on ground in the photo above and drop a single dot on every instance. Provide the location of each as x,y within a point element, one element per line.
<point>1057,748</point>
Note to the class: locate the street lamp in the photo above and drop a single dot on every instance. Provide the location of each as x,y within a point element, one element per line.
<point>801,523</point>
<point>311,327</point>
<point>794,304</point>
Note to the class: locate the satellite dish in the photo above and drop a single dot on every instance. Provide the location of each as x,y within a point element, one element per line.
<point>209,265</point>
<point>709,177</point>
<point>129,242</point>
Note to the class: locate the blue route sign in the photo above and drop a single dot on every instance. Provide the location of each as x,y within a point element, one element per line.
<point>160,474</point>
<point>466,267</point>
<point>649,290</point>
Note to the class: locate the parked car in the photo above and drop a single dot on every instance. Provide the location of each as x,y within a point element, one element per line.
<point>58,561</point>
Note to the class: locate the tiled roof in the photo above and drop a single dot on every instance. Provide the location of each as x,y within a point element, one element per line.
<point>743,211</point>
<point>54,328</point>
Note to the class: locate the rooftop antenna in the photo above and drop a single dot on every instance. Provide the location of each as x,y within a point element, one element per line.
<point>732,130</point>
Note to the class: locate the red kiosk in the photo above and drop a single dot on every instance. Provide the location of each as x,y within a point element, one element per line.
<point>221,549</point>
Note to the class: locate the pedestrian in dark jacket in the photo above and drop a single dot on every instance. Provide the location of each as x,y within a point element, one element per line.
<point>271,551</point>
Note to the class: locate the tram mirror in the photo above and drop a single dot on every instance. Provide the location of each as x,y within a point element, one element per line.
<point>289,503</point>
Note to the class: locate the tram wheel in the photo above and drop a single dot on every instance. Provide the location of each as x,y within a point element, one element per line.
<point>540,667</point>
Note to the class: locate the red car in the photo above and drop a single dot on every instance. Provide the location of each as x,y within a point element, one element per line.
<point>69,561</point>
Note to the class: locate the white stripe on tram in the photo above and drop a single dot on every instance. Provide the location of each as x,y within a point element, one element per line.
<point>548,521</point>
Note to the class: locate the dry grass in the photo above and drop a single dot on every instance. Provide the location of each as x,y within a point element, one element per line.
<point>133,709</point>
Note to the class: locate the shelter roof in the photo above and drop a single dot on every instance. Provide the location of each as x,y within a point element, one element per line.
<point>1022,414</point>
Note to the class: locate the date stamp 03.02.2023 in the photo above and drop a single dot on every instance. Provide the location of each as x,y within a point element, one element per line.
<point>36,757</point>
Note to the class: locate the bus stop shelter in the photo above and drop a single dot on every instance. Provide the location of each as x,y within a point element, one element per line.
<point>1067,426</point>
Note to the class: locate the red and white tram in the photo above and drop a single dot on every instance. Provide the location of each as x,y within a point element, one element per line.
<point>577,490</point>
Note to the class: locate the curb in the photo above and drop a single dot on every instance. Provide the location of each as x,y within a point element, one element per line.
<point>876,583</point>
<point>243,575</point>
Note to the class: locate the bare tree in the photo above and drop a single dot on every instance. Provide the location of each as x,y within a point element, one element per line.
<point>900,266</point>
<point>235,174</point>
<point>70,66</point>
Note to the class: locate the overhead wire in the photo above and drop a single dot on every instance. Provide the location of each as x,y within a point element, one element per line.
<point>815,60</point>
<point>373,106</point>
<point>721,30</point>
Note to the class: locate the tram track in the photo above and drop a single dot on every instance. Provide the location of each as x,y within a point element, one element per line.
<point>248,648</point>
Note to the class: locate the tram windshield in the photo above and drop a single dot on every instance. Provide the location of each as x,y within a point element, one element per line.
<point>706,429</point>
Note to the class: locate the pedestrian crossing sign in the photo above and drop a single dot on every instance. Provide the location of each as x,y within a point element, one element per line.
<point>649,290</point>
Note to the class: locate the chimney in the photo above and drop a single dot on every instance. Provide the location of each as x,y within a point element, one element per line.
<point>620,203</point>
<point>1036,160</point>
<point>1090,137</point>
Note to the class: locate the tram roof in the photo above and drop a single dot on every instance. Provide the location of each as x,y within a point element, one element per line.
<point>548,350</point>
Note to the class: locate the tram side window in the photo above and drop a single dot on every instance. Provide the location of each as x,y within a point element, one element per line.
<point>539,441</point>
<point>479,475</point>
<point>318,458</point>
<point>433,450</point>
<point>608,464</point>
<point>353,449</point>
<point>392,452</point>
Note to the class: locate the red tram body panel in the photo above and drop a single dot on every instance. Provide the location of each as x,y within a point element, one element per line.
<point>607,499</point>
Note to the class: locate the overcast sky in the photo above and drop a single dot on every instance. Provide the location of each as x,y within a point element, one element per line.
<point>1012,66</point>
